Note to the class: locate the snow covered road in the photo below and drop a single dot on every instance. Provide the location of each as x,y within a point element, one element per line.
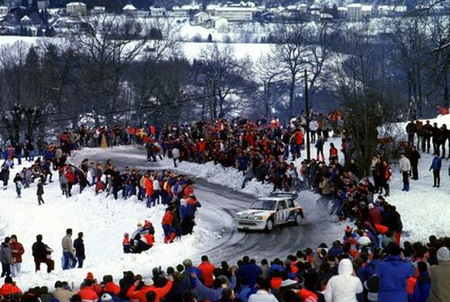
<point>219,206</point>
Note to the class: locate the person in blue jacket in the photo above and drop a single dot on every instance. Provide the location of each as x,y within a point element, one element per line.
<point>436,165</point>
<point>394,273</point>
<point>422,287</point>
<point>249,270</point>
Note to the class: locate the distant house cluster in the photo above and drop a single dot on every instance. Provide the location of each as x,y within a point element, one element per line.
<point>36,18</point>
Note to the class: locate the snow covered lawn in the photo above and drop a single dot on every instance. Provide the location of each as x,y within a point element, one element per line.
<point>103,222</point>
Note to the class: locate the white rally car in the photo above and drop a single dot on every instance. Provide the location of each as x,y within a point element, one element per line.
<point>268,212</point>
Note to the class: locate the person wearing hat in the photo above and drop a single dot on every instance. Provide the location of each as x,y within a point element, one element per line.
<point>86,292</point>
<point>140,288</point>
<point>440,285</point>
<point>344,286</point>
<point>394,273</point>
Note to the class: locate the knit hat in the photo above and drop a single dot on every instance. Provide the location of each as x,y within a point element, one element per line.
<point>90,276</point>
<point>106,297</point>
<point>443,254</point>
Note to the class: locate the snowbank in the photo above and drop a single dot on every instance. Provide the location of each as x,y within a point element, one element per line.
<point>103,222</point>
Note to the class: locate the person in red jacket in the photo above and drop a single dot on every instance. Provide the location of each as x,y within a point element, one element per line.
<point>9,288</point>
<point>126,243</point>
<point>207,269</point>
<point>109,286</point>
<point>138,291</point>
<point>87,293</point>
<point>93,283</point>
<point>17,252</point>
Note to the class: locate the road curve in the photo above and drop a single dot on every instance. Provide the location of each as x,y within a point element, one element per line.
<point>221,203</point>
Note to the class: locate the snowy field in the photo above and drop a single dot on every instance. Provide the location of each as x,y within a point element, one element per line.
<point>103,222</point>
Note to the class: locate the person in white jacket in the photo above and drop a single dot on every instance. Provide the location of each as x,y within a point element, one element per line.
<point>344,286</point>
<point>405,168</point>
<point>263,294</point>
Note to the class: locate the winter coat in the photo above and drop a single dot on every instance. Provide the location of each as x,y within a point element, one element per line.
<point>140,295</point>
<point>9,289</point>
<point>17,251</point>
<point>111,288</point>
<point>394,273</point>
<point>405,164</point>
<point>6,254</point>
<point>148,185</point>
<point>39,250</point>
<point>422,288</point>
<point>4,174</point>
<point>191,207</point>
<point>62,294</point>
<point>411,128</point>
<point>375,216</point>
<point>436,164</point>
<point>40,189</point>
<point>207,269</point>
<point>67,245</point>
<point>262,296</point>
<point>344,286</point>
<point>440,285</point>
<point>78,244</point>
<point>251,272</point>
<point>87,294</point>
<point>213,294</point>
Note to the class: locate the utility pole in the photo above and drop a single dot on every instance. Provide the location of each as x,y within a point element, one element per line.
<point>308,147</point>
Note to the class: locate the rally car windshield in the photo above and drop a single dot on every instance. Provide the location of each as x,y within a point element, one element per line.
<point>264,205</point>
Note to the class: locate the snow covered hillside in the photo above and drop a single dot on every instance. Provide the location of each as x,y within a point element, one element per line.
<point>103,222</point>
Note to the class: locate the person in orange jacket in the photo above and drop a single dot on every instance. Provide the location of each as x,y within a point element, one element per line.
<point>207,269</point>
<point>138,291</point>
<point>9,288</point>
<point>93,283</point>
<point>109,286</point>
<point>70,180</point>
<point>86,292</point>
<point>148,186</point>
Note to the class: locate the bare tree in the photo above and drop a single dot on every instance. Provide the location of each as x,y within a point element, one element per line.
<point>108,46</point>
<point>223,75</point>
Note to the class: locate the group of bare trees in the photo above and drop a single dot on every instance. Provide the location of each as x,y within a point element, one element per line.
<point>126,71</point>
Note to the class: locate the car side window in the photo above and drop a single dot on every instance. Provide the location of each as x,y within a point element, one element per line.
<point>281,205</point>
<point>290,203</point>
